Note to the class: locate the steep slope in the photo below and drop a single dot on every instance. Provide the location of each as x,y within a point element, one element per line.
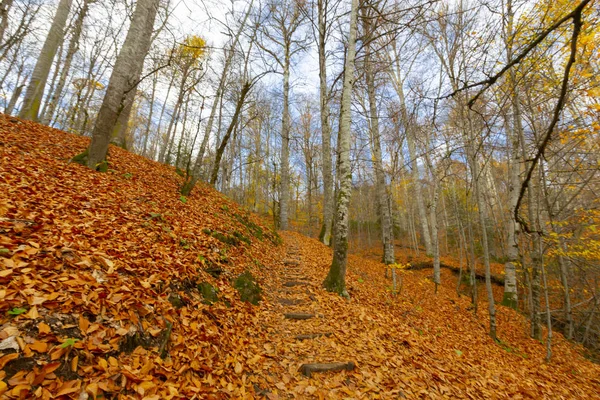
<point>99,275</point>
<point>92,265</point>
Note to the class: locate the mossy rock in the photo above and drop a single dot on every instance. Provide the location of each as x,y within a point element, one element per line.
<point>248,288</point>
<point>209,293</point>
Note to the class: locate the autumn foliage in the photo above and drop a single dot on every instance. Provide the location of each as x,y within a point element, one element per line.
<point>99,298</point>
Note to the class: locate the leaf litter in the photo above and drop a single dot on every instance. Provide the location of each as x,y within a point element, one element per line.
<point>95,262</point>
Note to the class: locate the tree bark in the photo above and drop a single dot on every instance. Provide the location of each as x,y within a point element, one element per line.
<point>336,278</point>
<point>35,89</point>
<point>325,235</point>
<point>382,194</point>
<point>123,80</point>
<point>238,109</point>
<point>284,196</point>
<point>64,73</point>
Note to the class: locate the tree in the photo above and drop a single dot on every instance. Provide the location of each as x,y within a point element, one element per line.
<point>374,132</point>
<point>48,114</point>
<point>278,39</point>
<point>123,82</point>
<point>35,89</point>
<point>336,278</point>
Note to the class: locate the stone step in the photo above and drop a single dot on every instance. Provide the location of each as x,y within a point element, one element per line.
<point>290,302</point>
<point>309,369</point>
<point>296,283</point>
<point>298,316</point>
<point>308,336</point>
<point>290,262</point>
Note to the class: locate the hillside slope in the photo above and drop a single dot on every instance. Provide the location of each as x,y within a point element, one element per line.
<point>100,272</point>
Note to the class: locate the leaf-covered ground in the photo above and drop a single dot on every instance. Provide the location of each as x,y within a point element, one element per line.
<point>100,272</point>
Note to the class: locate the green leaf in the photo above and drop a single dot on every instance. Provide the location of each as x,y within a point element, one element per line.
<point>183,199</point>
<point>4,251</point>
<point>458,352</point>
<point>17,311</point>
<point>70,342</point>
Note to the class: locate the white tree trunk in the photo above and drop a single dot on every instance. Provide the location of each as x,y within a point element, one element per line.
<point>336,279</point>
<point>39,76</point>
<point>284,196</point>
<point>325,235</point>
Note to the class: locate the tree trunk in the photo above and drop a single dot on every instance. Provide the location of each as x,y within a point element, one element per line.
<point>325,235</point>
<point>64,73</point>
<point>510,298</point>
<point>39,76</point>
<point>382,194</point>
<point>232,124</point>
<point>150,113</point>
<point>336,278</point>
<point>196,170</point>
<point>123,80</point>
<point>4,10</point>
<point>284,198</point>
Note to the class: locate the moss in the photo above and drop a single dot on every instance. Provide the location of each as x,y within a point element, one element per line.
<point>509,300</point>
<point>242,238</point>
<point>206,231</point>
<point>248,288</point>
<point>336,279</point>
<point>176,300</point>
<point>209,293</point>
<point>81,158</point>
<point>231,240</point>
<point>179,172</point>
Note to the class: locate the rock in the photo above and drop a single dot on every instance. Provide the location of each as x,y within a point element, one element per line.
<point>298,316</point>
<point>307,336</point>
<point>308,369</point>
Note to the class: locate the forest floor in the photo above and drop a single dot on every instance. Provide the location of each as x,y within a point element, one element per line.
<point>99,276</point>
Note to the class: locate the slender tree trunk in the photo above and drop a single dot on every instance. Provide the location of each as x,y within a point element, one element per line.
<point>382,194</point>
<point>284,198</point>
<point>48,115</point>
<point>35,89</point>
<point>52,85</point>
<point>336,278</point>
<point>150,113</point>
<point>219,154</point>
<point>123,81</point>
<point>325,235</point>
<point>4,10</point>
<point>196,170</point>
<point>510,298</point>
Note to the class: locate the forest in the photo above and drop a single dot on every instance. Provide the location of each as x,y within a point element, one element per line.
<point>430,166</point>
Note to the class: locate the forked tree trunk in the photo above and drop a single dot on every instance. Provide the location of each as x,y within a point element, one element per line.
<point>37,84</point>
<point>336,278</point>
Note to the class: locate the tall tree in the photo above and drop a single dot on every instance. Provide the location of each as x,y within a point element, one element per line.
<point>387,240</point>
<point>66,67</point>
<point>37,84</point>
<point>336,278</point>
<point>123,81</point>
<point>278,38</point>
